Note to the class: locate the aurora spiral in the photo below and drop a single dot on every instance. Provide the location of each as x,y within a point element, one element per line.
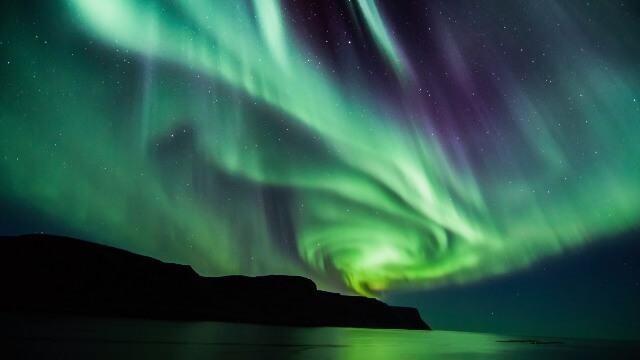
<point>365,152</point>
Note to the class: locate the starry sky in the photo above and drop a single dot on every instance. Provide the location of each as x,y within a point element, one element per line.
<point>479,160</point>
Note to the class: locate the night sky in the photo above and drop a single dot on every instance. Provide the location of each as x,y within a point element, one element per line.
<point>479,160</point>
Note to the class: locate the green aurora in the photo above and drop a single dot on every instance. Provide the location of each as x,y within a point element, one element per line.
<point>213,133</point>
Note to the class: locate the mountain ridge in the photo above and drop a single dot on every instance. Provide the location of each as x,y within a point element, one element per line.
<point>55,274</point>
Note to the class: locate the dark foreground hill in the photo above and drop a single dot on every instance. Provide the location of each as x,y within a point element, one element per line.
<point>44,273</point>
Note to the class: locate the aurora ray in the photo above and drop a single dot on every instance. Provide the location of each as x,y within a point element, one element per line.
<point>217,134</point>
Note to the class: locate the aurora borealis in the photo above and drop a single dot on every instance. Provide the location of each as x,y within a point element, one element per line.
<point>368,145</point>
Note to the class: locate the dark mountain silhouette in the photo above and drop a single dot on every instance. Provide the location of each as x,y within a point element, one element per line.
<point>44,273</point>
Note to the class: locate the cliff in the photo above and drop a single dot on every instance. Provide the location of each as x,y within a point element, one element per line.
<point>44,273</point>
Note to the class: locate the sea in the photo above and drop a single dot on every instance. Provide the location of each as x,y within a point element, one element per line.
<point>34,336</point>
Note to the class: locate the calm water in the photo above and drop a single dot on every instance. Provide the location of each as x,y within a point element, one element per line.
<point>55,337</point>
